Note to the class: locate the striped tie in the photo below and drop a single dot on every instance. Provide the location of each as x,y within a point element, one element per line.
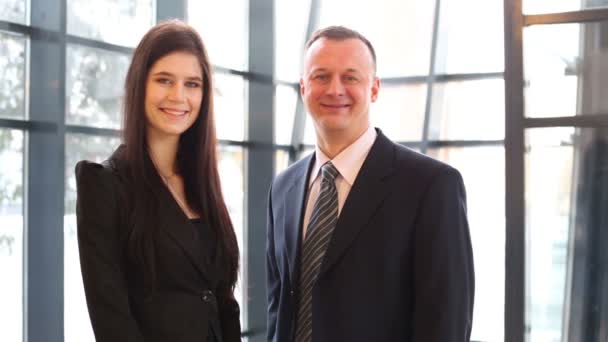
<point>320,227</point>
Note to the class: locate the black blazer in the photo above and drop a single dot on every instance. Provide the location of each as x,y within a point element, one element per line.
<point>184,307</point>
<point>399,266</point>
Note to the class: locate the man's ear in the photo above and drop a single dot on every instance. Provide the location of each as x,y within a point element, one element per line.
<point>375,88</point>
<point>301,87</point>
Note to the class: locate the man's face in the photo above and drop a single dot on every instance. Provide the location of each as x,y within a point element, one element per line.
<point>338,85</point>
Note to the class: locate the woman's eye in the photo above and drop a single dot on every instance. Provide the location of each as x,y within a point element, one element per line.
<point>163,81</point>
<point>193,84</point>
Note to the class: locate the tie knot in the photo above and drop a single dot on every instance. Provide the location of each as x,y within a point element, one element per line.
<point>329,172</point>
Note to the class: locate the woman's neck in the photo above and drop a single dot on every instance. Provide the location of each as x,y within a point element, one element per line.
<point>163,152</point>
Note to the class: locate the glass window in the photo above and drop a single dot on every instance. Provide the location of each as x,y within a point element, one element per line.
<point>544,6</point>
<point>566,269</point>
<point>76,315</point>
<point>285,99</point>
<point>11,234</point>
<point>281,161</point>
<point>232,177</point>
<point>89,19</point>
<point>566,69</point>
<point>399,30</point>
<point>291,20</point>
<point>227,41</point>
<point>230,102</point>
<point>310,137</point>
<point>12,74</point>
<point>13,10</point>
<point>460,37</point>
<point>399,111</point>
<point>94,86</point>
<point>485,207</point>
<point>468,110</point>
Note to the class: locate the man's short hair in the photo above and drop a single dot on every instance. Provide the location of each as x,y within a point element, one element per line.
<point>340,33</point>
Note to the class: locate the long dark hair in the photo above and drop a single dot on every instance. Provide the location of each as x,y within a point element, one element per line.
<point>196,156</point>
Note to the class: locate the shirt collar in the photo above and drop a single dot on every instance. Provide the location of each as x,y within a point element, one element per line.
<point>349,161</point>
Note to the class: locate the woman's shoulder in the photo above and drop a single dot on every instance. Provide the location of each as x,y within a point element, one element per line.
<point>105,173</point>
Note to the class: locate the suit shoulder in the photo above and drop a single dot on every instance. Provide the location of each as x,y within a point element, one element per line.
<point>295,171</point>
<point>420,164</point>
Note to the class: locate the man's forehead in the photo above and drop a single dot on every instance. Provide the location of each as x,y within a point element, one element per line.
<point>348,53</point>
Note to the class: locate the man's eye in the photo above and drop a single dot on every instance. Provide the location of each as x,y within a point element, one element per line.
<point>321,77</point>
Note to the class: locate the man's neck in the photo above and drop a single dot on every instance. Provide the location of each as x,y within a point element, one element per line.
<point>334,144</point>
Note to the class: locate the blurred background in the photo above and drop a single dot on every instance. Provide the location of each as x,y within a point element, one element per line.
<point>513,93</point>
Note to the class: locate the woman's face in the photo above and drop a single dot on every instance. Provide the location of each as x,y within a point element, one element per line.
<point>174,92</point>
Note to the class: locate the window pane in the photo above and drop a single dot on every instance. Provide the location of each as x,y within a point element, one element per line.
<point>226,40</point>
<point>281,161</point>
<point>460,37</point>
<point>11,234</point>
<point>89,19</point>
<point>291,20</point>
<point>544,6</point>
<point>485,203</point>
<point>468,110</point>
<point>230,94</point>
<point>565,69</point>
<point>396,29</point>
<point>13,10</point>
<point>232,177</point>
<point>76,316</point>
<point>12,76</point>
<point>399,111</point>
<point>566,220</point>
<point>94,86</point>
<point>285,99</point>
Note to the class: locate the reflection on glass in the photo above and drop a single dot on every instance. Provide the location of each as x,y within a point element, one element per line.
<point>566,69</point>
<point>76,316</point>
<point>485,206</point>
<point>399,111</point>
<point>226,39</point>
<point>400,30</point>
<point>285,100</point>
<point>460,37</point>
<point>566,220</point>
<point>13,10</point>
<point>281,161</point>
<point>553,6</point>
<point>468,110</point>
<point>94,86</point>
<point>89,19</point>
<point>11,234</point>
<point>291,20</point>
<point>232,177</point>
<point>12,74</point>
<point>230,94</point>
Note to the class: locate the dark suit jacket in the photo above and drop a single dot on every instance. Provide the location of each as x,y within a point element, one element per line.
<point>399,266</point>
<point>185,304</point>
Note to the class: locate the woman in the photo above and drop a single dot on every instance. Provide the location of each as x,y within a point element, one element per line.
<point>158,252</point>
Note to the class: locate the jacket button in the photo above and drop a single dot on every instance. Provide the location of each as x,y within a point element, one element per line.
<point>206,296</point>
<point>291,293</point>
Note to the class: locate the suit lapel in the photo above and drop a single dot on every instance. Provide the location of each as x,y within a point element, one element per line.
<point>295,205</point>
<point>367,193</point>
<point>175,223</point>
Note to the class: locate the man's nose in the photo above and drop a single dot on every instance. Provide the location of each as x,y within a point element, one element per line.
<point>336,87</point>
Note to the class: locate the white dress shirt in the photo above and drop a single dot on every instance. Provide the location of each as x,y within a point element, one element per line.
<point>348,163</point>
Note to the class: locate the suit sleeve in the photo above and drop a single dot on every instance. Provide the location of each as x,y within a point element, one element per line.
<point>229,318</point>
<point>273,280</point>
<point>444,282</point>
<point>101,258</point>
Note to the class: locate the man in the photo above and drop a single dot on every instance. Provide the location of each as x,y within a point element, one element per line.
<point>367,240</point>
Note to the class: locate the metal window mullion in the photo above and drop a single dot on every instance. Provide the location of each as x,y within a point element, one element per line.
<point>515,280</point>
<point>431,79</point>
